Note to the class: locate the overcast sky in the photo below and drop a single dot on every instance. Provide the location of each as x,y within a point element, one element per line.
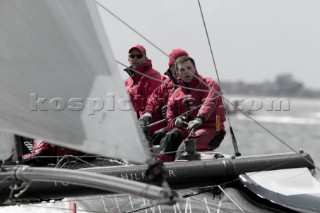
<point>252,40</point>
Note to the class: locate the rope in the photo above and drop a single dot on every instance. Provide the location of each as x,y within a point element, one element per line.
<point>114,15</point>
<point>235,203</point>
<point>233,138</point>
<point>159,80</point>
<point>215,66</point>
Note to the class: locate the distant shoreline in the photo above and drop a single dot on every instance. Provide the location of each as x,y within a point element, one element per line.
<point>283,86</point>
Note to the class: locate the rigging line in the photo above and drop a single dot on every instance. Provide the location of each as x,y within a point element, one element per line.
<point>208,39</point>
<point>104,204</point>
<point>206,101</point>
<point>220,83</point>
<point>230,198</point>
<point>33,205</point>
<point>205,200</point>
<point>167,54</point>
<point>205,27</point>
<point>126,24</point>
<point>167,199</point>
<point>233,138</point>
<point>131,202</point>
<point>139,35</point>
<point>128,201</point>
<point>201,190</point>
<point>119,196</point>
<point>146,206</point>
<point>115,197</point>
<point>70,156</point>
<point>159,80</point>
<point>228,209</point>
<point>178,207</point>
<point>211,88</point>
<point>271,133</point>
<point>194,108</point>
<point>226,111</point>
<point>211,51</point>
<point>219,206</point>
<point>158,48</point>
<point>278,138</point>
<point>60,156</point>
<point>102,6</point>
<point>186,207</point>
<point>283,142</point>
<point>203,82</point>
<point>7,178</point>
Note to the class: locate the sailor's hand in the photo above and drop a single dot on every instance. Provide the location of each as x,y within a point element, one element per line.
<point>145,119</point>
<point>194,124</point>
<point>164,111</point>
<point>180,121</point>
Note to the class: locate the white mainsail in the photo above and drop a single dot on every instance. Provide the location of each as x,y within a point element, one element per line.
<point>59,81</point>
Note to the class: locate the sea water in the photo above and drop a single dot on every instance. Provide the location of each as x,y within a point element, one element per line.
<point>293,126</point>
<point>261,131</point>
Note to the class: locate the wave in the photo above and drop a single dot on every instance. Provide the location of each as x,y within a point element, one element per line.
<point>284,119</point>
<point>317,114</point>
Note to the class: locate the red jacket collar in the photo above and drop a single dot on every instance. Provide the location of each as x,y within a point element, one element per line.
<point>142,69</point>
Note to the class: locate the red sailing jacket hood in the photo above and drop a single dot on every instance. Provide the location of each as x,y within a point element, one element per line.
<point>140,87</point>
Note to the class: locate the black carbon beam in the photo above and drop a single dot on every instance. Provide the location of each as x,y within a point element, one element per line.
<point>179,175</point>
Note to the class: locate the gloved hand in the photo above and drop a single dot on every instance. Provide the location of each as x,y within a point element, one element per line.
<point>158,135</point>
<point>180,121</point>
<point>145,119</point>
<point>164,111</point>
<point>194,124</point>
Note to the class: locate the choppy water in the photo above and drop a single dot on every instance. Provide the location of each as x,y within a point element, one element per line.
<point>298,128</point>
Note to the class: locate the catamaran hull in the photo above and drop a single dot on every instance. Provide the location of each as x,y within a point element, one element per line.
<point>180,176</point>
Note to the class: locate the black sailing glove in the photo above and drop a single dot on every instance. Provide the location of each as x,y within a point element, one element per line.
<point>194,124</point>
<point>145,119</point>
<point>180,121</point>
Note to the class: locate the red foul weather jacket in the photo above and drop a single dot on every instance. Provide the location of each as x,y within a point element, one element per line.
<point>192,103</point>
<point>160,96</point>
<point>158,99</point>
<point>40,145</point>
<point>140,87</point>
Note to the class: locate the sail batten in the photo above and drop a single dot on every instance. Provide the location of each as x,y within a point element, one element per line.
<point>59,81</point>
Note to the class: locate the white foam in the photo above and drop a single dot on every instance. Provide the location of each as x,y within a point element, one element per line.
<point>284,119</point>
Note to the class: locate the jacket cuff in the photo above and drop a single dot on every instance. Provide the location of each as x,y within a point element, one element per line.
<point>201,118</point>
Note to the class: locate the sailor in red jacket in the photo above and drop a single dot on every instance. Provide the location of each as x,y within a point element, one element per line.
<point>156,104</point>
<point>143,79</point>
<point>195,110</point>
<point>44,153</point>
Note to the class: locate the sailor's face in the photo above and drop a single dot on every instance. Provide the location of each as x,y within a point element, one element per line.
<point>186,71</point>
<point>136,58</point>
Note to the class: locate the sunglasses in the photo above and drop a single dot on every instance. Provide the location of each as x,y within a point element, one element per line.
<point>132,56</point>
